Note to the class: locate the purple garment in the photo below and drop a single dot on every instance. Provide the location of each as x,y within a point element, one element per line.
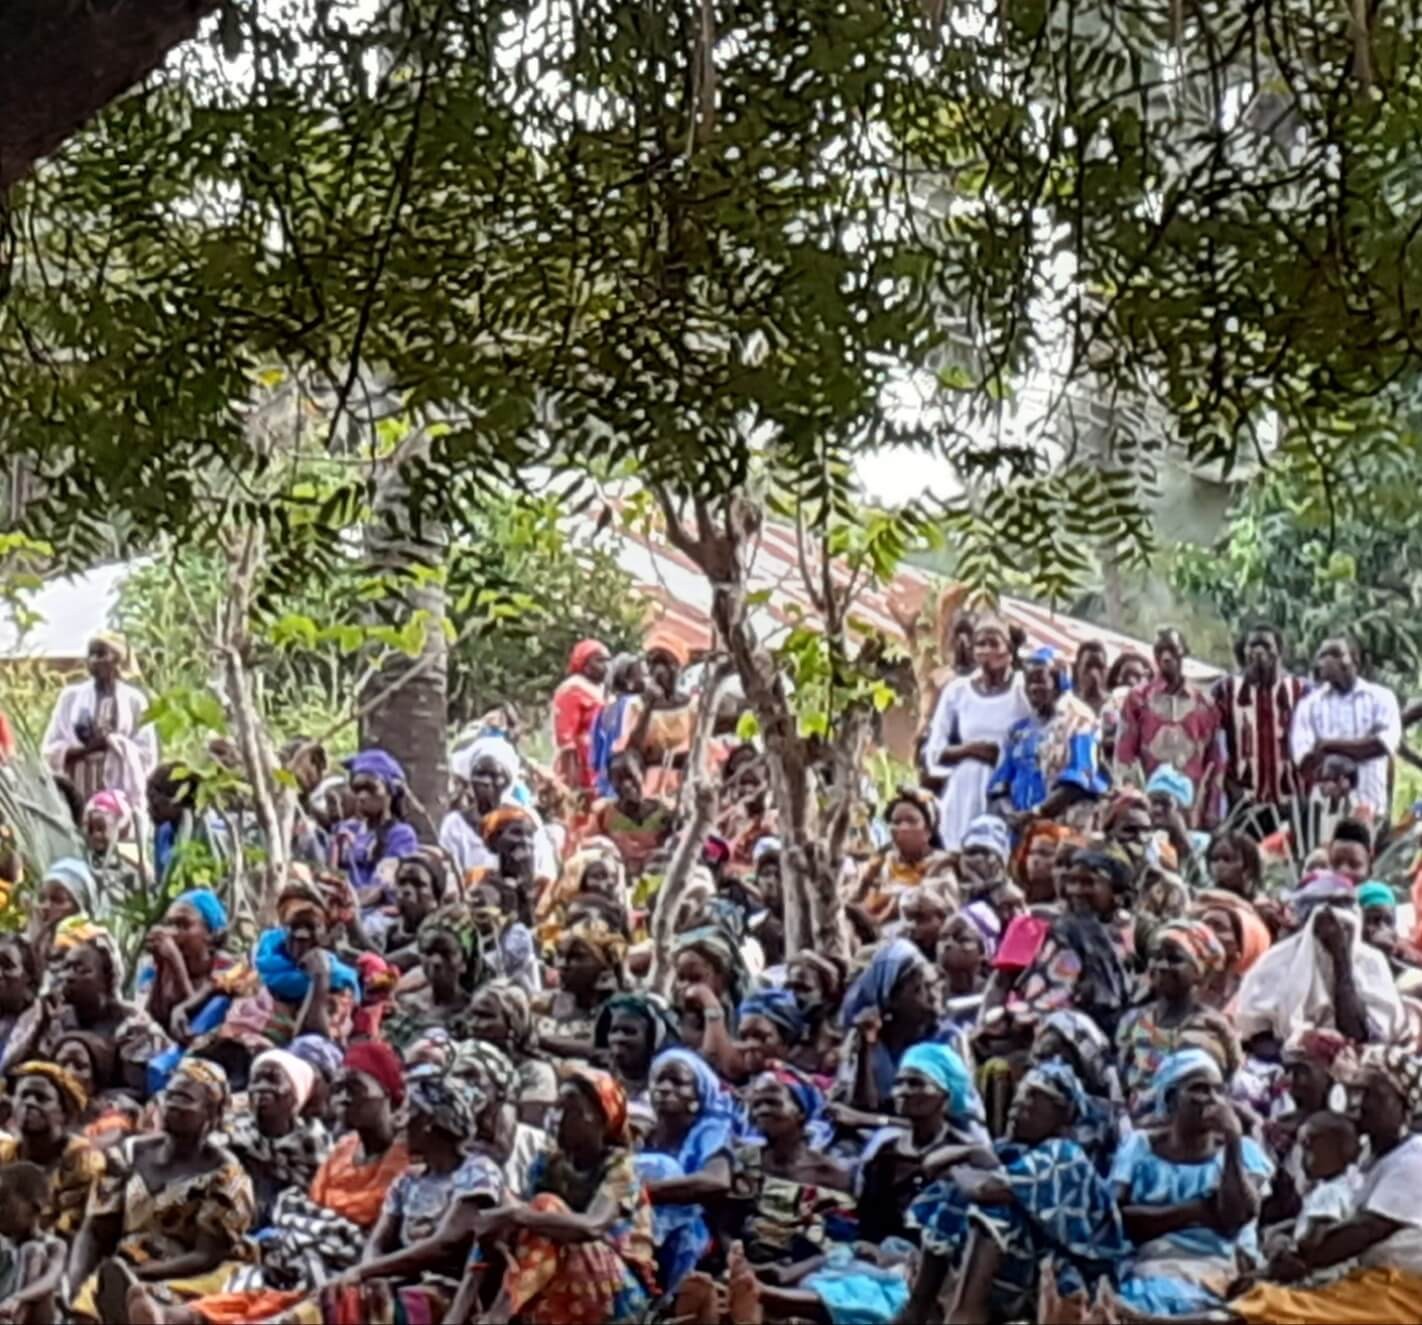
<point>363,848</point>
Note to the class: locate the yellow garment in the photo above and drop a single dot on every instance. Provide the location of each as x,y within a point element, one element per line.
<point>1364,1297</point>
<point>171,1292</point>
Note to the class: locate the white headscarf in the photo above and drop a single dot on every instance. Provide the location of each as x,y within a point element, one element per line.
<point>461,762</point>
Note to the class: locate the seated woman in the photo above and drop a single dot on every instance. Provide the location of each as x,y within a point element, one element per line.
<point>1183,954</point>
<point>111,1113</point>
<point>914,856</point>
<point>186,961</point>
<point>581,1249</point>
<point>589,961</point>
<point>421,880</point>
<point>695,1128</point>
<point>631,1030</point>
<point>370,844</point>
<point>1310,1057</point>
<point>279,1146</point>
<point>112,853</point>
<point>636,824</point>
<point>1382,1232</point>
<point>771,1027</point>
<point>963,965</point>
<point>1042,1198</point>
<point>172,1209</point>
<point>1190,1191</point>
<point>89,999</point>
<point>1377,904</point>
<point>934,1093</point>
<point>1243,935</point>
<point>297,986</point>
<point>451,967</point>
<point>710,977</point>
<point>498,1133</point>
<point>516,884</point>
<point>1034,862</point>
<point>817,983</point>
<point>47,1102</point>
<point>500,1014</point>
<point>1074,1039</point>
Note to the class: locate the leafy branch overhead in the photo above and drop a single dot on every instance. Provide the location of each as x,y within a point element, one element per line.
<point>1037,242</point>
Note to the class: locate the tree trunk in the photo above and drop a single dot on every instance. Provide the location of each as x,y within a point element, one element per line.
<point>62,63</point>
<point>411,723</point>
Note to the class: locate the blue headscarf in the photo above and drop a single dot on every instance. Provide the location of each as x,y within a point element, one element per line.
<point>286,980</point>
<point>989,832</point>
<point>1056,1078</point>
<point>1375,893</point>
<point>1054,659</point>
<point>77,879</point>
<point>876,982</point>
<point>1175,1069</point>
<point>711,1133</point>
<point>777,1006</point>
<point>1167,781</point>
<point>376,763</point>
<point>943,1066</point>
<point>809,1099</point>
<point>205,902</point>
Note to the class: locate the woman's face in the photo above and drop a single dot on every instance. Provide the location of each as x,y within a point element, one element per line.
<point>960,947</point>
<point>1089,892</point>
<point>372,797</point>
<point>580,1121</point>
<point>1172,974</point>
<point>692,968</point>
<point>1221,924</point>
<point>1227,866</point>
<point>103,664</point>
<point>580,969</point>
<point>981,865</point>
<point>414,895</point>
<point>1194,1097</point>
<point>1380,927</point>
<point>1039,862</point>
<point>674,1093</point>
<point>1131,829</point>
<point>443,964</point>
<point>773,1111</point>
<point>16,987</point>
<point>1382,1111</point>
<point>98,832</point>
<point>912,997</point>
<point>360,1101</point>
<point>1134,672</point>
<point>515,847</point>
<point>86,976</point>
<point>273,1099</point>
<point>629,1041</point>
<point>992,651</point>
<point>39,1110</point>
<point>924,918</point>
<point>73,1056</point>
<point>803,981</point>
<point>305,931</point>
<point>917,1097</point>
<point>186,1108</point>
<point>189,932</point>
<point>909,829</point>
<point>598,878</point>
<point>56,903</point>
<point>487,783</point>
<point>662,669</point>
<point>487,1019</point>
<point>1040,685</point>
<point>761,1043</point>
<point>1035,1116</point>
<point>627,784</point>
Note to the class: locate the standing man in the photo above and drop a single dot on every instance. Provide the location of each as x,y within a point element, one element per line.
<point>1257,709</point>
<point>1170,721</point>
<point>1348,716</point>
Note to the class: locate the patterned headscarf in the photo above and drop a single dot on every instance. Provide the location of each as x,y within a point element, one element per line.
<point>1039,828</point>
<point>777,1006</point>
<point>1254,937</point>
<point>1087,1040</point>
<point>72,1092</point>
<point>921,801</point>
<point>113,805</point>
<point>455,921</point>
<point>1176,1069</point>
<point>608,945</point>
<point>989,833</point>
<point>208,1077</point>
<point>488,1070</point>
<point>448,1102</point>
<point>1055,1078</point>
<point>1196,939</point>
<point>1401,1068</point>
<point>808,1097</point>
<point>513,1003</point>
<point>81,932</point>
<point>662,1025</point>
<point>1168,781</point>
<point>301,895</point>
<point>610,1098</point>
<point>323,1054</point>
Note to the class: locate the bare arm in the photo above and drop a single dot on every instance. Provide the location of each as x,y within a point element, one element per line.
<point>712,1181</point>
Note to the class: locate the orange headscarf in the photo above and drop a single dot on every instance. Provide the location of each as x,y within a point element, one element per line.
<point>611,1099</point>
<point>1038,828</point>
<point>663,640</point>
<point>493,823</point>
<point>1254,937</point>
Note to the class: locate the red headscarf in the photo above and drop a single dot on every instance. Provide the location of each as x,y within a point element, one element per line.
<point>611,1099</point>
<point>381,1063</point>
<point>583,652</point>
<point>1039,828</point>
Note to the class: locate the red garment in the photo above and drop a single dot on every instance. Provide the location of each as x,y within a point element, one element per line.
<point>1256,723</point>
<point>1180,729</point>
<point>576,704</point>
<point>7,738</point>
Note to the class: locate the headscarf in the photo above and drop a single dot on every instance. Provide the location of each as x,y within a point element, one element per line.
<point>1316,1045</point>
<point>1176,1069</point>
<point>944,1067</point>
<point>206,903</point>
<point>499,818</point>
<point>831,976</point>
<point>455,921</point>
<point>664,640</point>
<point>1319,887</point>
<point>323,1054</point>
<point>1254,937</point>
<point>1110,860</point>
<point>1402,1069</point>
<point>381,1064</point>
<point>983,917</point>
<point>765,846</point>
<point>1124,799</point>
<point>1168,781</point>
<point>1039,828</point>
<point>114,805</point>
<point>583,652</point>
<point>102,1051</point>
<point>662,1026</point>
<point>1198,942</point>
<point>607,944</point>
<point>777,1006</point>
<point>721,948</point>
<point>286,980</point>
<point>592,851</point>
<point>77,879</point>
<point>489,1070</point>
<point>80,932</point>
<point>1093,1050</point>
<point>299,1073</point>
<point>72,1092</point>
<point>512,1000</point>
<point>876,983</point>
<point>990,833</point>
<point>445,1100</point>
<point>118,643</point>
<point>496,748</point>
<point>1056,1078</point>
<point>301,894</point>
<point>1376,893</point>
<point>377,763</point>
<point>610,1098</point>
<point>921,801</point>
<point>808,1097</point>
<point>711,1131</point>
<point>207,1076</point>
<point>1055,662</point>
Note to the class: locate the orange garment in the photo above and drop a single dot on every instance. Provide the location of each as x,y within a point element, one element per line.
<point>567,1283</point>
<point>1255,939</point>
<point>1377,1296</point>
<point>357,1191</point>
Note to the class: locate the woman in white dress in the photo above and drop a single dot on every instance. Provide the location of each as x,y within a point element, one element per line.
<point>970,724</point>
<point>96,736</point>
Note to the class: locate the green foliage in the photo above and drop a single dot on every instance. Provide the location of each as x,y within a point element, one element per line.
<point>1319,557</point>
<point>606,235</point>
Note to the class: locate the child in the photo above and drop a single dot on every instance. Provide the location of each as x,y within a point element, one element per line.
<point>31,1262</point>
<point>1329,1145</point>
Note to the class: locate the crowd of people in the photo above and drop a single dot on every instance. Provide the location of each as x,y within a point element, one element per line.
<point>1123,1026</point>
